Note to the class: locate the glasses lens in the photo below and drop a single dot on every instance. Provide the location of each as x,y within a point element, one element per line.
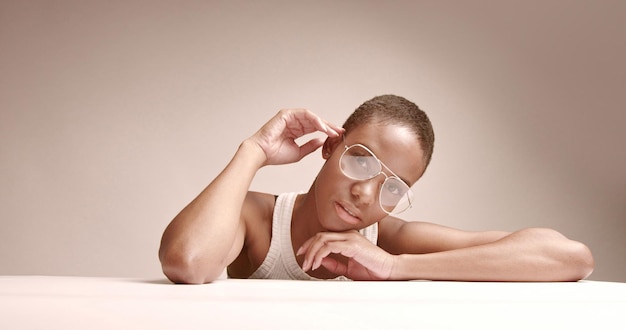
<point>359,163</point>
<point>395,196</point>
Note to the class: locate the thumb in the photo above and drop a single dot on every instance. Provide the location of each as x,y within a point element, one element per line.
<point>311,146</point>
<point>334,266</point>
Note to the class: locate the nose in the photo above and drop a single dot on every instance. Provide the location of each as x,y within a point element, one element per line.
<point>366,192</point>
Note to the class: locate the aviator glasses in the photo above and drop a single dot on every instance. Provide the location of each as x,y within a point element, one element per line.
<point>357,162</point>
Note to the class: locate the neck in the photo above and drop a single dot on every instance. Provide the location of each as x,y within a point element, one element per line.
<point>305,221</point>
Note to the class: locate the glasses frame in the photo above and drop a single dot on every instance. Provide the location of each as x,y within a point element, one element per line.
<point>387,177</point>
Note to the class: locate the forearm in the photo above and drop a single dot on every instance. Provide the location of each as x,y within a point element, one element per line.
<point>526,255</point>
<point>196,245</point>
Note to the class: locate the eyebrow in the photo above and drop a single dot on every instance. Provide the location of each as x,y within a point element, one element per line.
<point>383,164</point>
<point>392,172</point>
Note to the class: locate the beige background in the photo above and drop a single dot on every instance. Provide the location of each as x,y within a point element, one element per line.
<point>115,114</point>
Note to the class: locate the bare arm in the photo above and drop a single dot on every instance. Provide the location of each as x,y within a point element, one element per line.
<point>424,251</point>
<point>534,254</point>
<point>527,255</point>
<point>208,234</point>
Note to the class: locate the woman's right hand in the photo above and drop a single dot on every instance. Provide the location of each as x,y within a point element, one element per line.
<point>277,137</point>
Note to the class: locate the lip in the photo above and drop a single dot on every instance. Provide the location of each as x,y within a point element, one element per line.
<point>345,216</point>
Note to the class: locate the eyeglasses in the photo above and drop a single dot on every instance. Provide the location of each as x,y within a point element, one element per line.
<point>357,162</point>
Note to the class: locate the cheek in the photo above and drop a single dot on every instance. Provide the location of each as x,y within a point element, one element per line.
<point>328,185</point>
<point>375,214</point>
<point>330,173</point>
<point>331,185</point>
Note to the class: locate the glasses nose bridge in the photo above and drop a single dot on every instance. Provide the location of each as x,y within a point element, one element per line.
<point>381,172</point>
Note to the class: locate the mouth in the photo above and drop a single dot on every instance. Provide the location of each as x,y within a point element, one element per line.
<point>346,215</point>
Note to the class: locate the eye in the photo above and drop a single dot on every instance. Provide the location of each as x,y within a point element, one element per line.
<point>395,187</point>
<point>363,162</point>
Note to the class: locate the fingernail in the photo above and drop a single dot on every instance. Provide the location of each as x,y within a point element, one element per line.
<point>299,251</point>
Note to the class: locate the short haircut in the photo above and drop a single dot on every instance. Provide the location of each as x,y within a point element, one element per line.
<point>396,110</point>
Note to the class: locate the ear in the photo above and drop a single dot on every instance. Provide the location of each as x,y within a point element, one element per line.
<point>330,145</point>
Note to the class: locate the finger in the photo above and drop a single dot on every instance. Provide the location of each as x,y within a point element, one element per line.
<point>335,266</point>
<point>315,243</point>
<point>322,125</point>
<point>311,255</point>
<point>305,246</point>
<point>304,249</point>
<point>337,129</point>
<point>344,248</point>
<point>311,146</point>
<point>322,253</point>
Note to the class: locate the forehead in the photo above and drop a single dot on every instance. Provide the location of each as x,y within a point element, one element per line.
<point>395,145</point>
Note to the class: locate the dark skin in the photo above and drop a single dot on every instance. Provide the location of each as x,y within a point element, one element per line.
<point>228,226</point>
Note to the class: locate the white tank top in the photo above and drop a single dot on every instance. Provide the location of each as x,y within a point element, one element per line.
<point>280,262</point>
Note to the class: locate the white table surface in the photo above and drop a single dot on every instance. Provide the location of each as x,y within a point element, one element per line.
<point>53,302</point>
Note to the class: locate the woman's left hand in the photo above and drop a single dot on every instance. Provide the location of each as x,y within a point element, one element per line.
<point>365,261</point>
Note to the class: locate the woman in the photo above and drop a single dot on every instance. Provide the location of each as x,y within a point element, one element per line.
<point>346,225</point>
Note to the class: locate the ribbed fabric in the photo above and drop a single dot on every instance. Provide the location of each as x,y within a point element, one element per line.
<point>280,262</point>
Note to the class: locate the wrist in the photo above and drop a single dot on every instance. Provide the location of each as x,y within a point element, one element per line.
<point>252,152</point>
<point>404,267</point>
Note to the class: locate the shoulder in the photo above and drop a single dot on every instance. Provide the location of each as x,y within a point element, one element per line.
<point>256,202</point>
<point>257,210</point>
<point>389,230</point>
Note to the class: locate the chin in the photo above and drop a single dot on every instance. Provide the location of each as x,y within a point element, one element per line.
<point>333,223</point>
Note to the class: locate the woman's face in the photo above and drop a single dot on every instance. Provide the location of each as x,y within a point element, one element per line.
<point>344,203</point>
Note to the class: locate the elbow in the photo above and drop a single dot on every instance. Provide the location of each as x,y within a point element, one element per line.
<point>582,261</point>
<point>183,268</point>
<point>576,261</point>
<point>571,260</point>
